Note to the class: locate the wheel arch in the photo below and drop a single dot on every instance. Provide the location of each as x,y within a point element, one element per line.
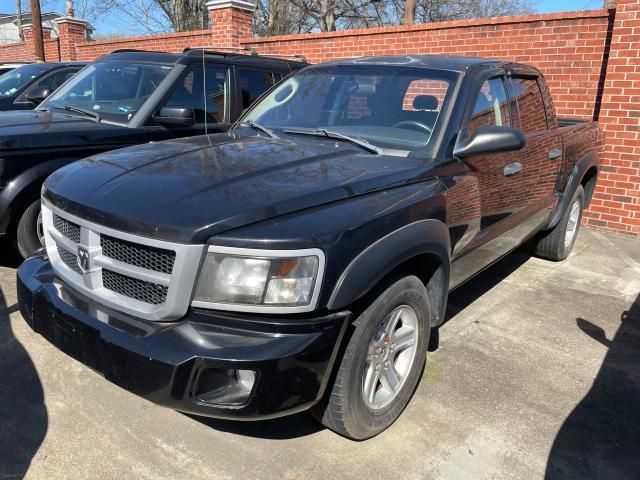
<point>421,248</point>
<point>585,173</point>
<point>23,189</point>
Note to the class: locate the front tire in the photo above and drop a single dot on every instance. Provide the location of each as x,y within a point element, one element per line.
<point>382,363</point>
<point>556,244</point>
<point>29,234</point>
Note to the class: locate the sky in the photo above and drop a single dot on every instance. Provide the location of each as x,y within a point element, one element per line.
<point>115,23</point>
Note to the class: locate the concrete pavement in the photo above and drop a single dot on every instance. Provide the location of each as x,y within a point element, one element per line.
<point>537,376</point>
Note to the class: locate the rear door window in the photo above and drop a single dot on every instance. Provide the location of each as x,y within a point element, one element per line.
<point>530,104</point>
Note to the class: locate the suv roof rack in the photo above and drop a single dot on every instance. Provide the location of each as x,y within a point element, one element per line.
<point>250,51</point>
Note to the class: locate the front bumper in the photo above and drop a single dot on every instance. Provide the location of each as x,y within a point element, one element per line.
<point>162,362</point>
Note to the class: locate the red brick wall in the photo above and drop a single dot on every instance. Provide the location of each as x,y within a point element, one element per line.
<point>616,204</point>
<point>24,51</point>
<point>174,42</point>
<point>567,47</point>
<point>570,48</point>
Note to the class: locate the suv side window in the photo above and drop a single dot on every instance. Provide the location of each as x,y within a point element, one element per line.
<point>530,104</point>
<point>254,83</point>
<point>189,91</point>
<point>52,81</point>
<point>491,106</point>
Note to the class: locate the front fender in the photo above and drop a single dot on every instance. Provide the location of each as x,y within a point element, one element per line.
<point>380,258</point>
<point>31,178</point>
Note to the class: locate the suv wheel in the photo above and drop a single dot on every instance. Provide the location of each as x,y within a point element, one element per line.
<point>30,234</point>
<point>382,363</point>
<point>556,244</point>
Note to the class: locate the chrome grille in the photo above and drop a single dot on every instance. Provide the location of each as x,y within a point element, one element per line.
<point>140,290</point>
<point>143,256</point>
<point>67,228</point>
<point>70,260</point>
<point>140,276</point>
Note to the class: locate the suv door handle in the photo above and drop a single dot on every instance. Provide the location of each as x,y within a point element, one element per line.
<point>512,169</point>
<point>555,153</point>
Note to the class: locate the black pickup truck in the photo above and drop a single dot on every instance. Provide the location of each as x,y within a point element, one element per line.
<point>124,98</point>
<point>303,259</point>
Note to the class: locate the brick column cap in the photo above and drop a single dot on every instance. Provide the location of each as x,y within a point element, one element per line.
<point>77,21</point>
<point>245,5</point>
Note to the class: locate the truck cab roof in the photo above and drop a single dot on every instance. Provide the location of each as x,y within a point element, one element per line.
<point>437,62</point>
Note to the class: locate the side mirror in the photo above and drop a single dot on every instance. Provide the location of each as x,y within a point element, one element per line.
<point>175,116</point>
<point>489,139</point>
<point>38,94</point>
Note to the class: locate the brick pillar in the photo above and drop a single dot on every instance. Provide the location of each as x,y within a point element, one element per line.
<point>231,20</point>
<point>29,54</point>
<point>50,50</point>
<point>616,204</point>
<point>71,32</point>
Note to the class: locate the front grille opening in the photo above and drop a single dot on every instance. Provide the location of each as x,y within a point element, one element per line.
<point>69,259</point>
<point>140,290</point>
<point>151,258</point>
<point>67,228</point>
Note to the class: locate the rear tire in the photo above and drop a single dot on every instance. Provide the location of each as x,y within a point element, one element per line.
<point>29,235</point>
<point>382,363</point>
<point>556,244</point>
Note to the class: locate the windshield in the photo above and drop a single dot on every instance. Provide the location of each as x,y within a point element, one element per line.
<point>17,78</point>
<point>388,106</point>
<point>114,90</point>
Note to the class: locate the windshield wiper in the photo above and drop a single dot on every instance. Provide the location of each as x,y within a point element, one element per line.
<point>257,126</point>
<point>87,113</point>
<point>336,136</point>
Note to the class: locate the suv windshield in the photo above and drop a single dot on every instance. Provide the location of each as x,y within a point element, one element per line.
<point>390,106</point>
<point>114,90</point>
<point>12,81</point>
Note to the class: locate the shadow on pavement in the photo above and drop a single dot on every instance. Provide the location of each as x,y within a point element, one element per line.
<point>23,415</point>
<point>470,291</point>
<point>293,426</point>
<point>601,437</point>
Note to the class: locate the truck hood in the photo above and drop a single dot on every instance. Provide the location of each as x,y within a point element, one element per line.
<point>188,190</point>
<point>34,129</point>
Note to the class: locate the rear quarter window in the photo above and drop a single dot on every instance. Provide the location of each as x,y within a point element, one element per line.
<point>531,106</point>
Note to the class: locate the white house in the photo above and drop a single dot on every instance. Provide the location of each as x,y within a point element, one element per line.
<point>9,26</point>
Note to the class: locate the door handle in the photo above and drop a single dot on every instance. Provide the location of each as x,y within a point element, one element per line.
<point>555,153</point>
<point>512,169</point>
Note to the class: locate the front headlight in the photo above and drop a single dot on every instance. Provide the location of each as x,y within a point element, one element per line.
<point>260,280</point>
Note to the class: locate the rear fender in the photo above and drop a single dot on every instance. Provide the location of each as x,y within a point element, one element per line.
<point>581,167</point>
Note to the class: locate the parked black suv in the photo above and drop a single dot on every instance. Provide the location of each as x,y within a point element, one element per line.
<point>303,259</point>
<point>121,99</point>
<point>24,87</point>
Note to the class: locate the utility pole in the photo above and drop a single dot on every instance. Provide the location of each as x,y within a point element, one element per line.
<point>19,18</point>
<point>36,25</point>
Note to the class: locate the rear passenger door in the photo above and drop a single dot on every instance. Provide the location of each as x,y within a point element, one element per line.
<point>542,153</point>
